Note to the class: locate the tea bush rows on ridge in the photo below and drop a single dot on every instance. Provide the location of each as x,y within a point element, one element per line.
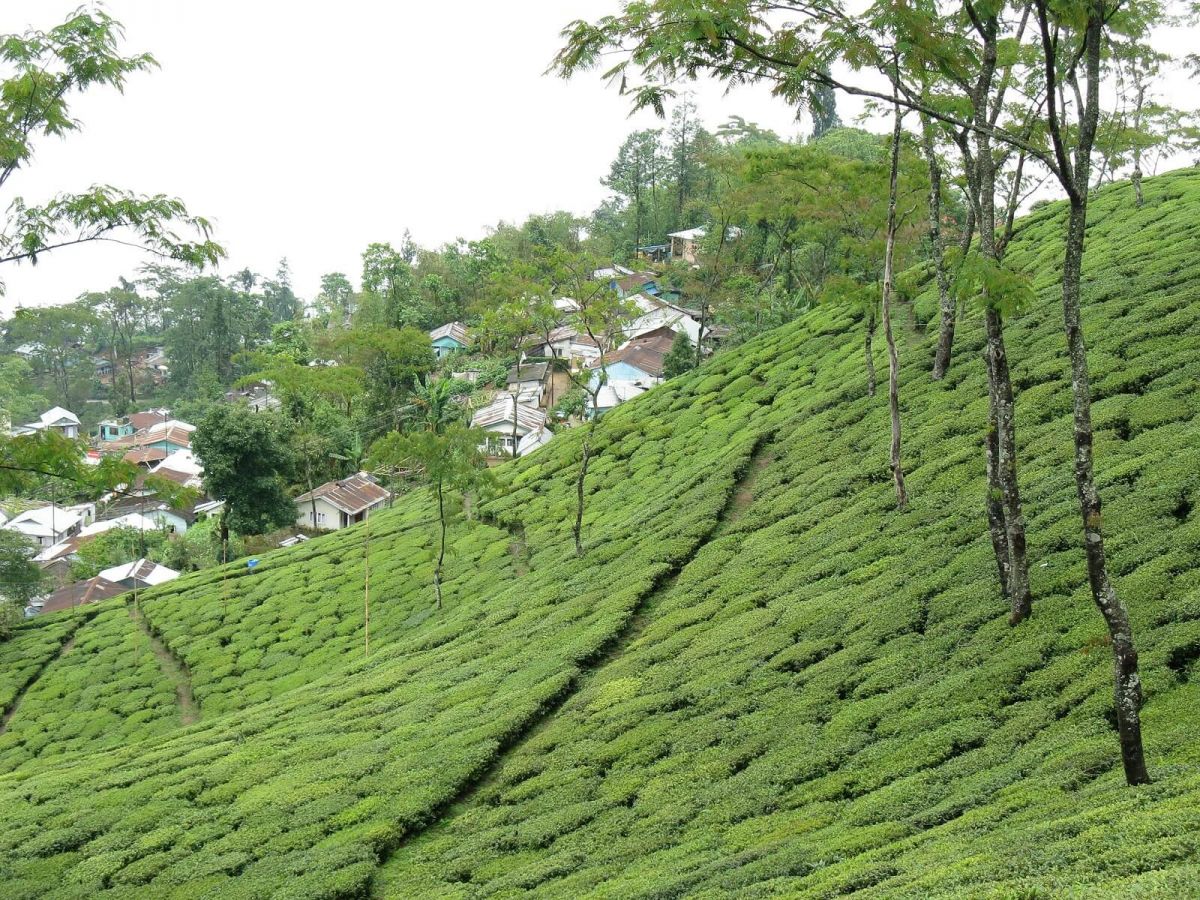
<point>829,700</point>
<point>106,690</point>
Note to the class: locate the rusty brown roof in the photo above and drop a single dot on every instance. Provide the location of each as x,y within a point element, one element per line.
<point>143,455</point>
<point>181,437</point>
<point>646,353</point>
<point>351,495</point>
<point>143,420</point>
<point>82,592</point>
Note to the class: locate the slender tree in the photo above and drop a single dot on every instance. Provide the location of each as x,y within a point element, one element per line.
<point>888,276</point>
<point>1072,44</point>
<point>450,461</point>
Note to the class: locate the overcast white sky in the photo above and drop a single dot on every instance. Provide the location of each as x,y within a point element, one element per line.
<point>310,129</point>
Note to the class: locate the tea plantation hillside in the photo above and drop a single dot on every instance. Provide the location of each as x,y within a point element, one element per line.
<point>760,679</point>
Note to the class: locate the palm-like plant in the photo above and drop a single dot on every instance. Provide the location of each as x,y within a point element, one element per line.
<point>431,406</point>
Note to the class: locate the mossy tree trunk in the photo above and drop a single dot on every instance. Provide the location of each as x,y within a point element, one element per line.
<point>946,306</point>
<point>437,569</point>
<point>868,349</point>
<point>585,456</point>
<point>1075,175</point>
<point>888,277</point>
<point>1002,439</point>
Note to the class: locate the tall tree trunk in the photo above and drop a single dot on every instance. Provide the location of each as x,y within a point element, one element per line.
<point>577,529</point>
<point>367,584</point>
<point>1002,420</point>
<point>1127,682</point>
<point>1136,176</point>
<point>514,428</point>
<point>129,372</point>
<point>868,350</point>
<point>995,502</point>
<point>437,570</point>
<point>1127,685</point>
<point>945,344</point>
<point>893,356</point>
<point>1002,416</point>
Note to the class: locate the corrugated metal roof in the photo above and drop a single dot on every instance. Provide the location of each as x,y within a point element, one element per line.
<point>528,372</point>
<point>454,330</point>
<point>350,495</point>
<point>144,455</point>
<point>80,593</point>
<point>142,571</point>
<point>501,410</point>
<point>646,354</point>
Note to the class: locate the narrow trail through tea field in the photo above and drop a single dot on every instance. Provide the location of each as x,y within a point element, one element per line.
<point>63,650</point>
<point>173,669</point>
<point>738,500</point>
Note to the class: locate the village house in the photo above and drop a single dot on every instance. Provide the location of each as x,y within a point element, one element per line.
<point>528,381</point>
<point>143,420</point>
<point>685,245</point>
<point>257,395</point>
<point>640,361</point>
<point>613,271</point>
<point>57,419</point>
<point>183,468</point>
<point>637,283</point>
<point>565,343</point>
<point>449,338</point>
<point>30,350</point>
<point>611,396</point>
<point>149,446</point>
<point>534,440</point>
<point>56,561</point>
<point>632,369</point>
<point>657,313</point>
<point>338,504</point>
<point>501,419</point>
<point>70,596</point>
<point>139,573</point>
<point>114,430</point>
<point>47,525</point>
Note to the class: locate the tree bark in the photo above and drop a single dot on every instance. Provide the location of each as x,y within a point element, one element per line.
<point>437,570</point>
<point>1127,686</point>
<point>868,350</point>
<point>367,585</point>
<point>893,356</point>
<point>1136,175</point>
<point>1002,441</point>
<point>945,344</point>
<point>514,400</point>
<point>577,529</point>
<point>995,505</point>
<point>1002,422</point>
<point>1127,682</point>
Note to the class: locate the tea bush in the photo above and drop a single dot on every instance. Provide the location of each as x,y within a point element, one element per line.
<point>106,690</point>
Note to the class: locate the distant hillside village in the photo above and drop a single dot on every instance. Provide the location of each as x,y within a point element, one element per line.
<point>498,344</point>
<point>515,414</point>
<point>628,361</point>
<point>160,446</point>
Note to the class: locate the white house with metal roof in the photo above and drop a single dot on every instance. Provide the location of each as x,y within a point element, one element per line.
<point>339,504</point>
<point>506,422</point>
<point>48,525</point>
<point>57,419</point>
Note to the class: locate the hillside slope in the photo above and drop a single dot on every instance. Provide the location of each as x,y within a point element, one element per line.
<point>759,680</point>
